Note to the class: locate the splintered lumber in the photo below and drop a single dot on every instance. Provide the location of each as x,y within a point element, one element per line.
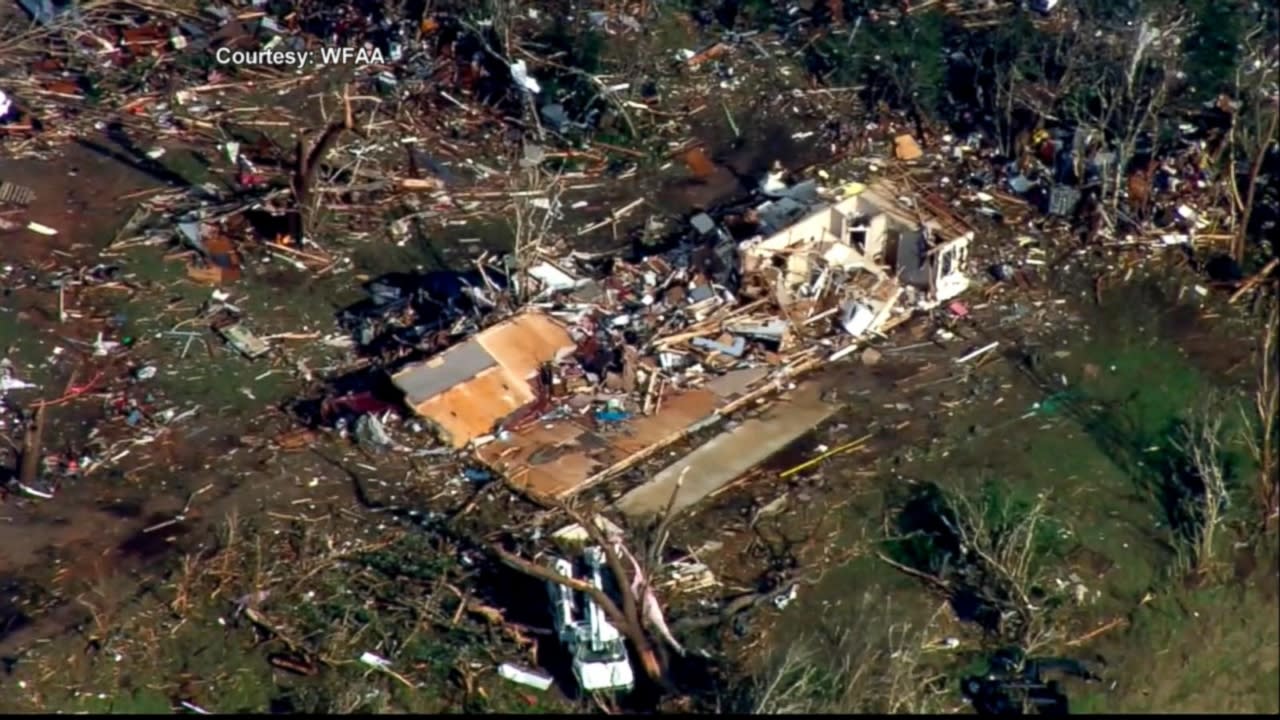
<point>31,448</point>
<point>1252,282</point>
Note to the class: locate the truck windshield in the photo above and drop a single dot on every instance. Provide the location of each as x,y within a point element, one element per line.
<point>611,651</point>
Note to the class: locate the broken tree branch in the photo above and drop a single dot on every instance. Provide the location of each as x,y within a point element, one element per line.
<point>307,164</point>
<point>632,630</point>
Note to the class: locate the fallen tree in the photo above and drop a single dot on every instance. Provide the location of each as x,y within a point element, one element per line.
<point>986,556</point>
<point>630,619</point>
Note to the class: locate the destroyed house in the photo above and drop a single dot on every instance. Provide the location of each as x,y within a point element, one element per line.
<point>866,232</point>
<point>531,403</point>
<point>466,390</point>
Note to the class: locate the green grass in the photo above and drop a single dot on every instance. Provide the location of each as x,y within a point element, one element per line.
<point>1212,650</point>
<point>213,663</point>
<point>26,351</point>
<point>218,382</point>
<point>127,702</point>
<point>1091,433</point>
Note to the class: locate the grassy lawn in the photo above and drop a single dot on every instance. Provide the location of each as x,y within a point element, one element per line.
<point>1092,440</point>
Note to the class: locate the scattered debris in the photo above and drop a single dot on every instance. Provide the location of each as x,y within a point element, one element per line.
<point>244,341</point>
<point>905,148</point>
<point>517,674</point>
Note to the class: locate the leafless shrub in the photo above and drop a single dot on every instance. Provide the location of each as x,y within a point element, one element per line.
<point>986,552</point>
<point>1261,430</point>
<point>875,667</point>
<point>1253,126</point>
<point>1205,497</point>
<point>534,212</point>
<point>1003,546</point>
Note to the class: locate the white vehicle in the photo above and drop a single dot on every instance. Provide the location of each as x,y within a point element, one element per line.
<point>600,661</point>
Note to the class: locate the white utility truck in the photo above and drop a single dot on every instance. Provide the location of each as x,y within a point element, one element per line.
<point>599,653</point>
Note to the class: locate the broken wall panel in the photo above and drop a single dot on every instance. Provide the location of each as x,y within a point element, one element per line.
<point>523,344</point>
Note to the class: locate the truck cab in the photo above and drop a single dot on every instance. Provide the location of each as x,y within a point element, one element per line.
<point>599,653</point>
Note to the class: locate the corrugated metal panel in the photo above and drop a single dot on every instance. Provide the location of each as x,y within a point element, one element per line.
<point>423,381</point>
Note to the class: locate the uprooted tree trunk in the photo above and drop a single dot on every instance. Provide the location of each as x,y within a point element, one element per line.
<point>648,658</point>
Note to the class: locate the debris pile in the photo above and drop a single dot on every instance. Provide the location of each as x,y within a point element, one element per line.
<point>606,364</point>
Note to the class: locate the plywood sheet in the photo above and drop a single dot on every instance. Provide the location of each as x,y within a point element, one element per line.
<point>558,460</point>
<point>546,460</point>
<point>524,342</point>
<point>471,409</point>
<point>674,417</point>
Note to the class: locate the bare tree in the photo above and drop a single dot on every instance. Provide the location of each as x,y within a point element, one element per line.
<point>1132,74</point>
<point>536,206</point>
<point>1204,495</point>
<point>1254,123</point>
<point>1041,69</point>
<point>1007,555</point>
<point>1261,430</point>
<point>307,164</point>
<point>992,551</point>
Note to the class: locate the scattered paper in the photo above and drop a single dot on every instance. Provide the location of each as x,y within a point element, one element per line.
<point>517,674</point>
<point>375,661</point>
<point>520,75</point>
